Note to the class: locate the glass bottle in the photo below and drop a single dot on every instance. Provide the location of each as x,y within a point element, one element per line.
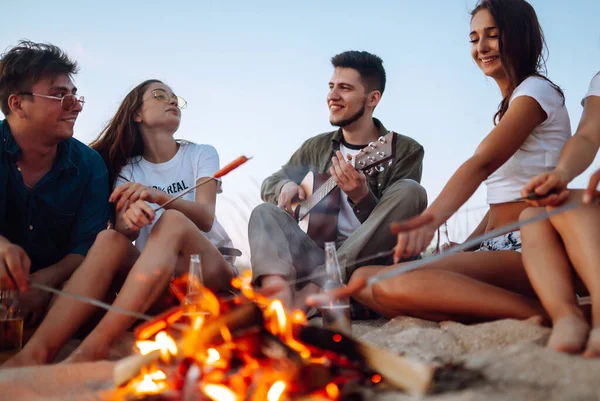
<point>335,314</point>
<point>11,323</point>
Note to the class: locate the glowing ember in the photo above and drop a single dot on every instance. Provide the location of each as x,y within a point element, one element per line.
<point>162,342</point>
<point>276,391</point>
<point>246,348</point>
<point>152,383</point>
<point>213,356</point>
<point>218,392</point>
<point>332,391</point>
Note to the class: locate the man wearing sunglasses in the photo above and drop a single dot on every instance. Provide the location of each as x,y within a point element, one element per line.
<point>53,188</point>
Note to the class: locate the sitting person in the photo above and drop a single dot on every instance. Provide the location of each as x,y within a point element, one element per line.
<point>53,188</point>
<point>561,254</point>
<point>532,126</point>
<point>280,249</point>
<point>144,161</point>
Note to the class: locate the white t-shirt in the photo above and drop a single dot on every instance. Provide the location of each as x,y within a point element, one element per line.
<point>594,89</point>
<point>347,220</point>
<point>190,163</point>
<point>540,151</point>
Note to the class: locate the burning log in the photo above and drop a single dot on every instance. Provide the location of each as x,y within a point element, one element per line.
<point>251,349</point>
<point>400,372</point>
<point>242,317</point>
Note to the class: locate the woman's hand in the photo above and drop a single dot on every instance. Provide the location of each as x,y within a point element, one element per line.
<point>133,191</point>
<point>591,192</point>
<point>138,215</point>
<point>414,235</point>
<point>550,187</point>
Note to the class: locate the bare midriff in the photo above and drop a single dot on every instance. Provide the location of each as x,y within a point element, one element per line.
<point>502,214</point>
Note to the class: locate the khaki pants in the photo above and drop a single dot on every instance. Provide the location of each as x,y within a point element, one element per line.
<point>279,247</point>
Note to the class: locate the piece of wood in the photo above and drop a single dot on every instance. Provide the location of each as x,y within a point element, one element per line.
<point>240,318</point>
<point>402,373</point>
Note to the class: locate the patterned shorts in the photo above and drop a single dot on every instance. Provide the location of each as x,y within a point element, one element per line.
<point>506,242</point>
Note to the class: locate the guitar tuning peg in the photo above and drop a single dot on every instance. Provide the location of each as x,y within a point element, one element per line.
<point>381,154</point>
<point>390,162</point>
<point>382,139</point>
<point>369,171</point>
<point>372,145</point>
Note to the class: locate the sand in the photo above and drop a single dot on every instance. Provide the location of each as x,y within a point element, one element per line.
<point>501,360</point>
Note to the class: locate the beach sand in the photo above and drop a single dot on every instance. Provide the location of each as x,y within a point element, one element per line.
<point>495,361</point>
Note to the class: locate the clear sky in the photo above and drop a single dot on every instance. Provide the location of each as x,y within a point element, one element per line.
<point>255,73</point>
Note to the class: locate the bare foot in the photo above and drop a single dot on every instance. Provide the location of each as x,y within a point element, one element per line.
<point>27,358</point>
<point>592,350</point>
<point>569,334</point>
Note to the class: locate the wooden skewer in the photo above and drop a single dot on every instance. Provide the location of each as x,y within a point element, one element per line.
<point>220,173</point>
<point>343,292</point>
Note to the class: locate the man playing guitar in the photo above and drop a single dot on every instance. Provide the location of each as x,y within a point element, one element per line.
<point>366,202</point>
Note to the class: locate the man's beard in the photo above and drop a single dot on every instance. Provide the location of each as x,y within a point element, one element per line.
<point>351,119</point>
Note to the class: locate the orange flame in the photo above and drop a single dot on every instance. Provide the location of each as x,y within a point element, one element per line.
<point>276,391</point>
<point>162,342</point>
<point>218,392</point>
<point>151,383</point>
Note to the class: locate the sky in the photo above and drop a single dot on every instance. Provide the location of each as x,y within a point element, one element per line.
<point>255,75</point>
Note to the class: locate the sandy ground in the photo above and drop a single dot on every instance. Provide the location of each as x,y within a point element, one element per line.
<point>502,360</point>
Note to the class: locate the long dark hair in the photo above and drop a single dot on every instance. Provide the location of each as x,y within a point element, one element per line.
<point>523,50</point>
<point>121,138</point>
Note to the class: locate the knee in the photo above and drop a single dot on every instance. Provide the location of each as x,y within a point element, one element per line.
<point>263,212</point>
<point>172,223</point>
<point>530,212</point>
<point>407,194</point>
<point>110,239</point>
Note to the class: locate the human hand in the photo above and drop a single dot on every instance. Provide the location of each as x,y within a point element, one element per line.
<point>350,180</point>
<point>133,191</point>
<point>550,188</point>
<point>290,192</point>
<point>138,215</point>
<point>14,266</point>
<point>413,236</point>
<point>33,305</point>
<point>591,192</point>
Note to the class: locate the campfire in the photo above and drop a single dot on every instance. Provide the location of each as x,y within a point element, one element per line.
<point>249,348</point>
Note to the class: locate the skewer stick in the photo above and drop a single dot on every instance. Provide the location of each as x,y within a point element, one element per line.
<point>319,299</point>
<point>220,173</point>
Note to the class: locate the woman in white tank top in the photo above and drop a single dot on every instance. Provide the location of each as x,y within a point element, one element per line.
<point>532,125</point>
<point>562,255</point>
<point>146,165</point>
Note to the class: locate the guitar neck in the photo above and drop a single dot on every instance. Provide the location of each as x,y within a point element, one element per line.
<point>321,192</point>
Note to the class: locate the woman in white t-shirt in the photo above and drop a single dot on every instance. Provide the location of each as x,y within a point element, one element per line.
<point>561,255</point>
<point>531,127</point>
<point>147,167</point>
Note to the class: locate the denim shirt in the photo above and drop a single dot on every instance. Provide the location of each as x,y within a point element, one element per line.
<point>63,212</point>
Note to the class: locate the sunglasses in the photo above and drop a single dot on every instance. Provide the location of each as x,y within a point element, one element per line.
<point>163,97</point>
<point>67,102</point>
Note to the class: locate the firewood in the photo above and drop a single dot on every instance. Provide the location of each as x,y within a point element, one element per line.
<point>402,373</point>
<point>240,318</point>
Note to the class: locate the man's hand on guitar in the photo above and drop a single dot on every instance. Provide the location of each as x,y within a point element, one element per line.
<point>350,180</point>
<point>290,192</point>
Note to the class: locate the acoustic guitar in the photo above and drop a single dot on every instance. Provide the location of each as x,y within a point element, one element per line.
<point>317,214</point>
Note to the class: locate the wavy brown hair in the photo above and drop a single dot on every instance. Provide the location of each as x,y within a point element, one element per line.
<point>121,138</point>
<point>523,50</point>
